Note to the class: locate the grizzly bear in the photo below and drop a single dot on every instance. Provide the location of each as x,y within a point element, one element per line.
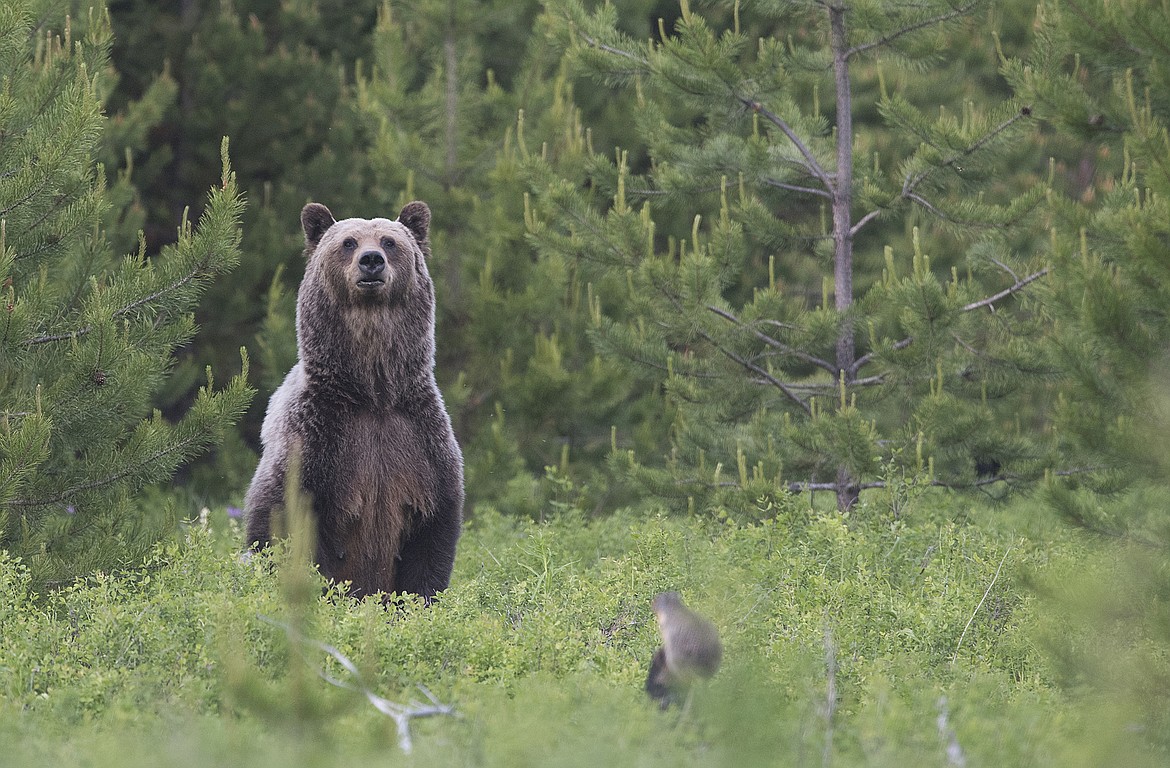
<point>378,458</point>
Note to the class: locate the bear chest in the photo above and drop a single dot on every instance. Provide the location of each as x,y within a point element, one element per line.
<point>372,470</point>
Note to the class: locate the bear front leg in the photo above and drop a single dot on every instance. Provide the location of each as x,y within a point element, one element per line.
<point>265,495</point>
<point>427,556</point>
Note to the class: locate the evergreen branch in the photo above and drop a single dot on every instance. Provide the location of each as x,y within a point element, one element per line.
<point>1114,37</point>
<point>1006,291</point>
<point>828,387</point>
<point>593,42</point>
<point>883,41</point>
<point>748,364</point>
<point>131,307</point>
<point>940,214</point>
<point>912,183</point>
<point>813,166</point>
<point>34,192</point>
<point>820,363</point>
<point>180,446</point>
<point>663,192</point>
<point>986,302</point>
<point>1116,533</point>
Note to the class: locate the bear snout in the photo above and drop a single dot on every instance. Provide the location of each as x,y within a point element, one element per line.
<point>371,265</point>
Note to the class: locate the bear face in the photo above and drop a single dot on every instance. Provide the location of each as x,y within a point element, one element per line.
<point>368,262</point>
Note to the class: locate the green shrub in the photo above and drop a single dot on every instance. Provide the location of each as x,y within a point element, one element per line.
<point>543,641</point>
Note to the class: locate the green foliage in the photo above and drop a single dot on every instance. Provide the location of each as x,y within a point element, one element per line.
<point>1106,301</point>
<point>542,644</point>
<point>86,337</point>
<point>742,268</point>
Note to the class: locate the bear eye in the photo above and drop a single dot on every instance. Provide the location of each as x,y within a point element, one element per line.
<point>387,243</point>
<point>349,243</point>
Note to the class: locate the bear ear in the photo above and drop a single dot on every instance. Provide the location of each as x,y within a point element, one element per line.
<point>315,220</point>
<point>417,218</point>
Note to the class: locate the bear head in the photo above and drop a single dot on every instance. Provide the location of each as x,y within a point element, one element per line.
<point>368,262</point>
<point>366,305</point>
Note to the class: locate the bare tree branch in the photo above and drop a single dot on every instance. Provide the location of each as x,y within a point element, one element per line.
<point>798,188</point>
<point>1006,291</point>
<point>820,363</point>
<point>867,218</point>
<point>400,714</point>
<point>954,13</point>
<point>813,167</point>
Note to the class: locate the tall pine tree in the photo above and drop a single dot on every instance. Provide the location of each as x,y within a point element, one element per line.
<point>1100,75</point>
<point>797,351</point>
<point>87,336</point>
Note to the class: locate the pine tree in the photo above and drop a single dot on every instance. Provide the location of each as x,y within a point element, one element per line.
<point>797,351</point>
<point>86,337</point>
<point>1099,74</point>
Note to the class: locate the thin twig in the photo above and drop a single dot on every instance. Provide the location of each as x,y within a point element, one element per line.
<point>911,28</point>
<point>982,600</point>
<point>797,188</point>
<point>400,714</point>
<point>867,218</point>
<point>1006,291</point>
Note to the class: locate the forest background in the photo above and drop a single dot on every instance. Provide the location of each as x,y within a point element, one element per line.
<point>882,395</point>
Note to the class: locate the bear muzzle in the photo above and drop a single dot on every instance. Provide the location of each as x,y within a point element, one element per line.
<point>371,269</point>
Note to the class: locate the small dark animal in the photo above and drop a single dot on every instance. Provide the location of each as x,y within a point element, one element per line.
<point>361,409</point>
<point>690,649</point>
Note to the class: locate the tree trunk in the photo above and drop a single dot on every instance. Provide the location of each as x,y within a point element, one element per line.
<point>842,199</point>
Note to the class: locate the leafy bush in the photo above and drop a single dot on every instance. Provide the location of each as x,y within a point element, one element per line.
<point>543,641</point>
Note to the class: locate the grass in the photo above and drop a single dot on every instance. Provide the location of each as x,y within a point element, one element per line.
<point>918,638</point>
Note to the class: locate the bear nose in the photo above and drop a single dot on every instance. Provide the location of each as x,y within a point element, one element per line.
<point>371,263</point>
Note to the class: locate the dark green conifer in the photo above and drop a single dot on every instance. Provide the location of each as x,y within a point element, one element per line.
<point>1099,74</point>
<point>842,301</point>
<point>87,335</point>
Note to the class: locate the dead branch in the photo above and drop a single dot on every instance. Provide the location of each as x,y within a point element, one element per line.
<point>399,713</point>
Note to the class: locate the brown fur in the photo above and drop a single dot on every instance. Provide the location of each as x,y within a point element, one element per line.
<point>690,650</point>
<point>379,459</point>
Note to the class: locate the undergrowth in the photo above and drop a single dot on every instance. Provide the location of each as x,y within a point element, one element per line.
<point>905,634</point>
